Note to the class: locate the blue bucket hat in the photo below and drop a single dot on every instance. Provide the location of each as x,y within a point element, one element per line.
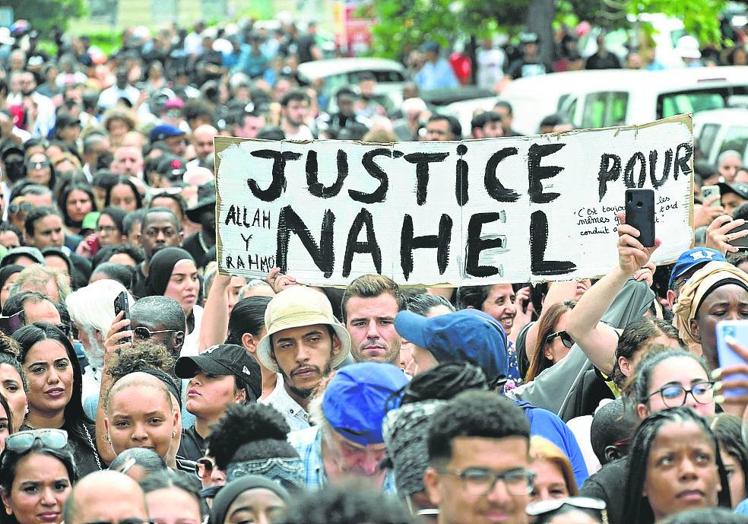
<point>693,258</point>
<point>467,335</point>
<point>355,401</point>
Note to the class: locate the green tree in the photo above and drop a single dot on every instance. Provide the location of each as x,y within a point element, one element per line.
<point>46,15</point>
<point>404,24</point>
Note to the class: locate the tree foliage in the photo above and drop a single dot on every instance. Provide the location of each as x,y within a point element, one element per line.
<point>47,15</point>
<point>404,24</point>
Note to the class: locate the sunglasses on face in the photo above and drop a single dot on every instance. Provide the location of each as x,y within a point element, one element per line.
<point>24,207</point>
<point>38,165</point>
<point>144,333</point>
<point>566,339</point>
<point>25,440</point>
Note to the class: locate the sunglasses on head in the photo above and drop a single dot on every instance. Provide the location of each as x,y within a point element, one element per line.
<point>25,440</point>
<point>566,339</point>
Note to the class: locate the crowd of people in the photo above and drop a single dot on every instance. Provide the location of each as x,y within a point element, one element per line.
<point>137,384</point>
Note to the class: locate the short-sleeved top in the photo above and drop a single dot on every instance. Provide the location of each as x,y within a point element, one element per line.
<point>192,446</point>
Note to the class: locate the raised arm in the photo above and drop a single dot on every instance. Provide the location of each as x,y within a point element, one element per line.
<point>215,321</point>
<point>114,339</point>
<point>596,339</point>
<point>557,293</point>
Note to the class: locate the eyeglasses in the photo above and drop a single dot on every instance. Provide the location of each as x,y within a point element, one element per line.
<point>674,395</point>
<point>566,339</point>
<point>24,207</point>
<point>204,466</point>
<point>542,507</point>
<point>144,333</point>
<point>48,438</point>
<point>480,481</point>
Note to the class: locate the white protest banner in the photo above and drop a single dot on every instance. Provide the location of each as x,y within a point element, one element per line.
<point>453,213</point>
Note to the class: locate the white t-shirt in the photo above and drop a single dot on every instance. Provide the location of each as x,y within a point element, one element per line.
<point>490,67</point>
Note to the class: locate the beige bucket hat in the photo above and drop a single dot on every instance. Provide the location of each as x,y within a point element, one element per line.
<point>299,306</point>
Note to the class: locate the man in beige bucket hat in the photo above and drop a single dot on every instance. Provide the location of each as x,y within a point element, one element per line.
<point>304,342</point>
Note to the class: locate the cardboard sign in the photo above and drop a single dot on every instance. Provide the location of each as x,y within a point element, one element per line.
<point>449,213</point>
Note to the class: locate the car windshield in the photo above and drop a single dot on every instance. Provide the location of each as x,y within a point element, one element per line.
<point>736,139</point>
<point>669,104</point>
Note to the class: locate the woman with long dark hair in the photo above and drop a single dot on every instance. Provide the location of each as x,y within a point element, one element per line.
<point>553,342</point>
<point>124,195</point>
<point>76,200</point>
<point>674,465</point>
<point>6,421</point>
<point>13,384</point>
<point>54,390</point>
<point>727,429</point>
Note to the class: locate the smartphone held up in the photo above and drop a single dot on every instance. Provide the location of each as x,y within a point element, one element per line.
<point>640,214</point>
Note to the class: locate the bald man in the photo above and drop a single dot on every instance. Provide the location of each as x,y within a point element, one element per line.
<point>202,141</point>
<point>128,161</point>
<point>105,496</point>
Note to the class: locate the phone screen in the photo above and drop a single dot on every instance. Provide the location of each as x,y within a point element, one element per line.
<point>738,330</point>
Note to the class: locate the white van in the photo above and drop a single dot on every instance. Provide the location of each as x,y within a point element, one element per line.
<point>721,130</point>
<point>613,97</point>
<point>341,72</point>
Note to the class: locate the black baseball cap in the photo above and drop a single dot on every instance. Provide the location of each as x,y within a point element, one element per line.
<point>171,166</point>
<point>224,359</point>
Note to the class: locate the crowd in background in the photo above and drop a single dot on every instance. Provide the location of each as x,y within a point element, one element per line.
<point>139,385</point>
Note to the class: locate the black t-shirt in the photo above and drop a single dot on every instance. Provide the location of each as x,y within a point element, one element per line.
<point>304,49</point>
<point>193,446</point>
<point>609,61</point>
<point>195,248</point>
<point>139,289</point>
<point>609,484</point>
<point>525,68</point>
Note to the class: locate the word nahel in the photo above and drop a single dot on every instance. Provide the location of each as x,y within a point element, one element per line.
<point>455,213</point>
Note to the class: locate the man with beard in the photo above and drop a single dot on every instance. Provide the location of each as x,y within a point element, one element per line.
<point>346,441</point>
<point>304,342</point>
<point>161,228</point>
<point>295,108</point>
<point>370,304</point>
<point>203,213</point>
<point>497,301</point>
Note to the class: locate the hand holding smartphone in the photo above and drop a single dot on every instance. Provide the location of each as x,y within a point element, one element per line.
<point>708,191</point>
<point>737,331</point>
<point>121,303</point>
<point>640,214</point>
